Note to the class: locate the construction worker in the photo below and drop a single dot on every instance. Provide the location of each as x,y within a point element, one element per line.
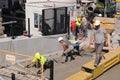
<point>39,61</point>
<point>67,49</point>
<point>100,37</point>
<point>73,27</point>
<point>82,31</point>
<point>78,24</point>
<point>76,46</point>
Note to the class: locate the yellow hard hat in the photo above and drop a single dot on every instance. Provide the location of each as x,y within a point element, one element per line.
<point>78,19</point>
<point>37,55</point>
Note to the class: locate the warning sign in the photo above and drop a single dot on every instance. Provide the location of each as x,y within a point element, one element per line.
<point>10,58</point>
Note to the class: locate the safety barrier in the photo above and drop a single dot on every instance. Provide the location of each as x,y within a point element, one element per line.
<point>10,58</point>
<point>111,58</point>
<point>9,62</point>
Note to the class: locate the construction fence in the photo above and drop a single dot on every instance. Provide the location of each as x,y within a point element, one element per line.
<point>12,67</point>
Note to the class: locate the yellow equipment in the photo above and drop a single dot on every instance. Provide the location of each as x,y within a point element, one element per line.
<point>117,15</point>
<point>117,0</point>
<point>106,23</point>
<point>89,72</point>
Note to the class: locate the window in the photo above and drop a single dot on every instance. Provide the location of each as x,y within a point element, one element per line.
<point>38,21</point>
<point>102,1</point>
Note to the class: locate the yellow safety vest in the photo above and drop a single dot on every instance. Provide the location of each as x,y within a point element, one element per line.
<point>78,23</point>
<point>42,59</point>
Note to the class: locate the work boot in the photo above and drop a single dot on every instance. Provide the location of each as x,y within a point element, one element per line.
<point>72,58</point>
<point>66,60</point>
<point>95,65</point>
<point>39,73</point>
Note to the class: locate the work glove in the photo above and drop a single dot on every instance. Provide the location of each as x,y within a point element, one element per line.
<point>27,66</point>
<point>38,72</point>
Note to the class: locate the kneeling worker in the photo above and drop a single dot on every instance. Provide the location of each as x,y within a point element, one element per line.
<point>39,61</point>
<point>67,49</point>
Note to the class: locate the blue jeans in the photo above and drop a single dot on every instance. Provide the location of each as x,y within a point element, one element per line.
<point>76,46</point>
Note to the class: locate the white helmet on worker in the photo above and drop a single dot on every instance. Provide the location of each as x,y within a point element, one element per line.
<point>97,22</point>
<point>100,15</point>
<point>60,39</point>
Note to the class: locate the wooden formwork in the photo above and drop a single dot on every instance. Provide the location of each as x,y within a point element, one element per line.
<point>117,0</point>
<point>106,23</point>
<point>111,58</point>
<point>117,15</point>
<point>80,76</point>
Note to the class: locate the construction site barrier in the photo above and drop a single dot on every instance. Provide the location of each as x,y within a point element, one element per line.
<point>8,58</point>
<point>111,58</point>
<point>11,62</point>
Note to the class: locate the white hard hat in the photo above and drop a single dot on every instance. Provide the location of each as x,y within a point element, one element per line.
<point>60,38</point>
<point>100,15</point>
<point>97,22</point>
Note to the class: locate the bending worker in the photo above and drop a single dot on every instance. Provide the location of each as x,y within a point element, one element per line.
<point>67,49</point>
<point>100,37</point>
<point>39,61</point>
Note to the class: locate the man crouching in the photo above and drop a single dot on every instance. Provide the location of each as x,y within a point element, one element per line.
<point>67,49</point>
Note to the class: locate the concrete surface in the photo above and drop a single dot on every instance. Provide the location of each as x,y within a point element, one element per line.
<point>28,46</point>
<point>111,74</point>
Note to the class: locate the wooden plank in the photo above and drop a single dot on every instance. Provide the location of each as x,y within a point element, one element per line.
<point>106,23</point>
<point>89,65</point>
<point>0,19</point>
<point>117,0</point>
<point>16,54</point>
<point>80,76</point>
<point>108,56</point>
<point>105,20</point>
<point>111,58</point>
